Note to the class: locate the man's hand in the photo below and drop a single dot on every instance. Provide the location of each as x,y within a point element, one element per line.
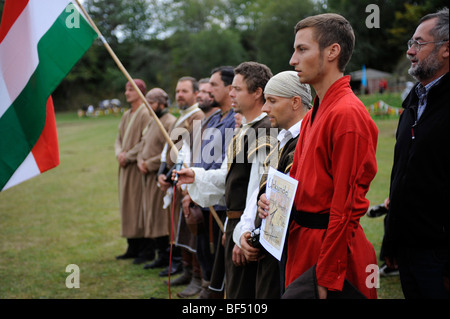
<point>391,262</point>
<point>251,253</point>
<point>263,206</point>
<point>122,158</point>
<point>238,256</point>
<point>185,176</point>
<point>323,292</point>
<point>162,181</point>
<point>142,167</point>
<point>186,202</point>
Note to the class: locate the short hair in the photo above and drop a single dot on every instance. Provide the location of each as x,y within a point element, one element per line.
<point>256,75</point>
<point>329,28</point>
<point>226,74</point>
<point>192,80</point>
<point>440,30</point>
<point>203,81</point>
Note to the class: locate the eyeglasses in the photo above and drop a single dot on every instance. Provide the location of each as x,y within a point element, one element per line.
<point>418,45</point>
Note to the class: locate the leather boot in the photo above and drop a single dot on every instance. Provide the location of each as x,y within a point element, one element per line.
<point>193,289</point>
<point>184,279</point>
<point>132,250</point>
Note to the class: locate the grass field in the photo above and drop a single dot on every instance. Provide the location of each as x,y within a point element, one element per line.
<point>70,215</point>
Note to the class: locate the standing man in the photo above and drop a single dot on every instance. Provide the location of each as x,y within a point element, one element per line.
<point>182,134</point>
<point>127,145</point>
<point>213,149</point>
<point>417,238</point>
<point>334,163</point>
<point>287,102</point>
<point>156,218</point>
<point>239,174</point>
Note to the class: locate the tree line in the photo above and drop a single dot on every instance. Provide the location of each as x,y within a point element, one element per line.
<point>163,40</point>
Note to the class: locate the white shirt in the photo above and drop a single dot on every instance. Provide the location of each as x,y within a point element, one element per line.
<point>247,223</point>
<point>208,188</point>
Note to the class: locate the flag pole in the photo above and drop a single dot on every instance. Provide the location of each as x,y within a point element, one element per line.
<point>141,95</point>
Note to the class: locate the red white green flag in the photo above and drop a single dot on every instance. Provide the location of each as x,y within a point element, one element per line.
<point>40,42</point>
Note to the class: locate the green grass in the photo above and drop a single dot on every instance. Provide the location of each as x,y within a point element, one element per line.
<point>70,215</point>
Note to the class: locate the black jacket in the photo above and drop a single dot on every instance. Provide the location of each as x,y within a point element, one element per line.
<point>419,192</point>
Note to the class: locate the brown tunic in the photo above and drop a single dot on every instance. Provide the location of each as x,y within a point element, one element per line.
<point>130,178</point>
<point>156,218</point>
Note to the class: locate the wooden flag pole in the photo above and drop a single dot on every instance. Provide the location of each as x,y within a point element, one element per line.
<point>141,95</point>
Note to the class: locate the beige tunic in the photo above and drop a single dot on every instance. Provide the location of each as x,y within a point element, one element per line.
<point>130,178</point>
<point>156,218</point>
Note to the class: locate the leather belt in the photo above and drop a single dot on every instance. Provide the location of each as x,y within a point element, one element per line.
<point>311,220</point>
<point>232,214</point>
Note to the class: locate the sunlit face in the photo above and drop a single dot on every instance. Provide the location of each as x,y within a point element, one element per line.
<point>130,94</point>
<point>185,94</point>
<point>241,99</point>
<point>307,58</point>
<point>279,110</point>
<point>428,61</point>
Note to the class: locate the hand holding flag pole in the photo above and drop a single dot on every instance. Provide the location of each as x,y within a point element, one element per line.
<point>130,79</point>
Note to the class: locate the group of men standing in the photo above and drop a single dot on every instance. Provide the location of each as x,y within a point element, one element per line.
<point>328,145</point>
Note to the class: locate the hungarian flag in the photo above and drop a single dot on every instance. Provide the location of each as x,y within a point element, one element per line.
<point>40,42</point>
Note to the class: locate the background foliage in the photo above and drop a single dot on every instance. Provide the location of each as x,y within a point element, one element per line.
<point>162,40</point>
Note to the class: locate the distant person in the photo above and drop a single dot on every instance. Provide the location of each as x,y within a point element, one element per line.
<point>417,232</point>
<point>186,97</point>
<point>155,217</point>
<point>127,145</point>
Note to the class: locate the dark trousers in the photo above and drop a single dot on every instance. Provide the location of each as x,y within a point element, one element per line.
<point>422,273</point>
<point>240,281</point>
<point>218,270</point>
<point>268,277</point>
<point>205,255</point>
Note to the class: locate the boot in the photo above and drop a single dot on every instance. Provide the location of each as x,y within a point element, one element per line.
<point>184,279</point>
<point>147,251</point>
<point>132,250</point>
<point>163,253</point>
<point>207,293</point>
<point>193,289</point>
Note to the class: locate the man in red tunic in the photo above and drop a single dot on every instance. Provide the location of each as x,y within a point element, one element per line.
<point>334,163</point>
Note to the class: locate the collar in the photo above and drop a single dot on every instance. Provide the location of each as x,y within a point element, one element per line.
<point>423,90</point>
<point>285,135</point>
<point>259,118</point>
<point>189,109</point>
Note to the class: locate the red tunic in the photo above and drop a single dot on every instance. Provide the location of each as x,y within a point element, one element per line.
<point>334,163</point>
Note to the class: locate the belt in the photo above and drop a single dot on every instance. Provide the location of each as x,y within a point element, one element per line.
<point>232,214</point>
<point>311,220</point>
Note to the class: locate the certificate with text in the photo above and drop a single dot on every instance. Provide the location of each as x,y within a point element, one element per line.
<point>280,191</point>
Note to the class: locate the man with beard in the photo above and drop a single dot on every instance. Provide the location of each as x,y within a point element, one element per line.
<point>416,237</point>
<point>155,217</point>
<point>182,136</point>
<point>212,95</point>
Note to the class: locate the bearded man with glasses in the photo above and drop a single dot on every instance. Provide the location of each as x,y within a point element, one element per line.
<point>417,238</point>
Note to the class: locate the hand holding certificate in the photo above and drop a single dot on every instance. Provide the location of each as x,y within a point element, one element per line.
<point>280,191</point>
